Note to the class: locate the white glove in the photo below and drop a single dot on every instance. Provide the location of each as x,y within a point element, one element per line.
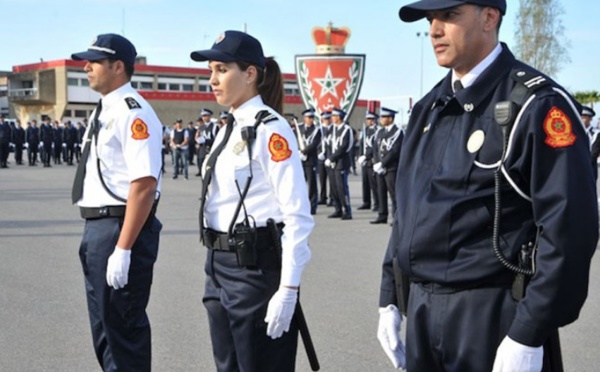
<point>64,145</point>
<point>201,140</point>
<point>280,311</point>
<point>321,156</point>
<point>377,167</point>
<point>26,145</point>
<point>515,357</point>
<point>327,163</point>
<point>388,334</point>
<point>303,156</point>
<point>117,269</point>
<point>362,160</point>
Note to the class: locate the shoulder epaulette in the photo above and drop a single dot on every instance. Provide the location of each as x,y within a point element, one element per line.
<point>264,116</point>
<point>132,103</point>
<point>528,82</point>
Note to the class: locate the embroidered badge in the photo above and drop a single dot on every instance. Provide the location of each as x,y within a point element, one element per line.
<point>132,103</point>
<point>279,148</point>
<point>139,130</point>
<point>558,128</point>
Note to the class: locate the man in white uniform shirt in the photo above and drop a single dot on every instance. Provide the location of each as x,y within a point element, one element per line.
<point>116,187</point>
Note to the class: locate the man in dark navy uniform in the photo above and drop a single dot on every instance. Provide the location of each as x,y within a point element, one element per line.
<point>587,114</point>
<point>57,141</point>
<point>462,313</point>
<point>33,142</point>
<point>342,140</point>
<point>5,140</point>
<point>70,137</point>
<point>19,142</point>
<point>365,160</point>
<point>388,143</point>
<point>46,138</point>
<point>205,136</point>
<point>310,138</point>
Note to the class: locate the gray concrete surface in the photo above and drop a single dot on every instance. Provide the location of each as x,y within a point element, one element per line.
<point>43,318</point>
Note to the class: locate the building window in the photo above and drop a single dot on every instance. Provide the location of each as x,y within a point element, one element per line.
<point>203,88</point>
<point>174,87</point>
<point>187,87</point>
<point>85,83</point>
<point>162,86</point>
<point>134,84</point>
<point>146,85</point>
<point>73,82</point>
<point>81,114</point>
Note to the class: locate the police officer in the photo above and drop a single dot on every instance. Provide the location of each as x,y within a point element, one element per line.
<point>342,140</point>
<point>57,142</point>
<point>365,160</point>
<point>70,139</point>
<point>325,127</point>
<point>19,142</point>
<point>389,142</point>
<point>115,186</point>
<point>47,140</point>
<point>477,219</point>
<point>205,136</point>
<point>5,140</point>
<point>179,146</point>
<point>309,139</point>
<point>191,129</point>
<point>253,275</point>
<point>587,114</point>
<point>81,128</point>
<point>33,142</point>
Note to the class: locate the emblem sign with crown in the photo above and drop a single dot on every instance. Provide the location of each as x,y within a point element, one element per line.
<point>330,78</point>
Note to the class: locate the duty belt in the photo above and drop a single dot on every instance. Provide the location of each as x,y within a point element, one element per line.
<point>219,241</point>
<point>102,212</point>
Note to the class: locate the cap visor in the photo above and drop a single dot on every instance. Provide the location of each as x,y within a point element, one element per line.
<point>211,55</point>
<point>89,55</point>
<point>415,11</point>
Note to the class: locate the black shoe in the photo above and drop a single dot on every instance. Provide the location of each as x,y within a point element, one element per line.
<point>347,216</point>
<point>364,206</point>
<point>375,208</point>
<point>198,174</point>
<point>335,215</point>
<point>322,202</point>
<point>174,177</point>
<point>379,220</point>
<point>330,204</point>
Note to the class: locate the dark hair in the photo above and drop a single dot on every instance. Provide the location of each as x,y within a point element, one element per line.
<point>129,69</point>
<point>269,82</point>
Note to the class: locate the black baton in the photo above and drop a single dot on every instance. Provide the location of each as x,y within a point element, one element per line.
<point>309,347</point>
<point>552,354</point>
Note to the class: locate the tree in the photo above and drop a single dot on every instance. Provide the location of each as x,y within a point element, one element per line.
<point>540,35</point>
<point>587,98</point>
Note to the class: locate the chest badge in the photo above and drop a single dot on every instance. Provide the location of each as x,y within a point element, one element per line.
<point>239,147</point>
<point>475,141</point>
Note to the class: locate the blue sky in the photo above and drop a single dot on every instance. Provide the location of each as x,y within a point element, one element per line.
<point>166,31</point>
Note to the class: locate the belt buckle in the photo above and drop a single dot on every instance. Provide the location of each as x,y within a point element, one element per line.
<point>103,211</point>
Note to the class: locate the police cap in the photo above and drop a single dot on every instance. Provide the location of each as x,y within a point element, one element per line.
<point>223,114</point>
<point>108,46</point>
<point>371,115</point>
<point>326,115</point>
<point>309,112</point>
<point>205,112</point>
<point>417,10</point>
<point>587,111</point>
<point>233,46</point>
<point>387,112</point>
<point>338,112</point>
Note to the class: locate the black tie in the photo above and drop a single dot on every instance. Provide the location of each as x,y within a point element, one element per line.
<point>77,191</point>
<point>457,86</point>
<point>209,170</point>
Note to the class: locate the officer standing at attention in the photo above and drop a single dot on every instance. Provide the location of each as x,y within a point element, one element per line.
<point>325,127</point>
<point>389,142</point>
<point>365,160</point>
<point>255,258</point>
<point>479,217</point>
<point>47,137</point>
<point>19,141</point>
<point>191,129</point>
<point>115,186</point>
<point>33,142</point>
<point>310,135</point>
<point>5,140</point>
<point>342,140</point>
<point>587,114</point>
<point>205,136</point>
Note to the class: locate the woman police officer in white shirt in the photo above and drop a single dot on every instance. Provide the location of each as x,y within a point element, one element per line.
<point>255,194</point>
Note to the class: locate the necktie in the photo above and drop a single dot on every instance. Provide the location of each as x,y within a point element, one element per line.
<point>209,170</point>
<point>457,86</point>
<point>77,191</point>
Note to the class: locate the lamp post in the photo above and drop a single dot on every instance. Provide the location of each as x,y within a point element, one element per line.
<point>422,36</point>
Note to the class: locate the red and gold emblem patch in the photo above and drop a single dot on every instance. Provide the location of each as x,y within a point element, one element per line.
<point>558,128</point>
<point>279,148</point>
<point>139,130</point>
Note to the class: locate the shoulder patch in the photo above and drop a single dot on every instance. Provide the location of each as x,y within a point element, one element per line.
<point>558,128</point>
<point>139,130</point>
<point>531,80</point>
<point>279,148</point>
<point>265,116</point>
<point>132,103</point>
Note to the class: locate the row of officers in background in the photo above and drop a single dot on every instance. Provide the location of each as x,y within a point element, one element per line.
<point>329,150</point>
<point>50,140</point>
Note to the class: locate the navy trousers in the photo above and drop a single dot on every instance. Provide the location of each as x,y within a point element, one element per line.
<point>120,326</point>
<point>449,331</point>
<point>236,300</point>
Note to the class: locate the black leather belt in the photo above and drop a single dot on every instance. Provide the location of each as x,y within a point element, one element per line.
<point>102,212</point>
<point>219,241</point>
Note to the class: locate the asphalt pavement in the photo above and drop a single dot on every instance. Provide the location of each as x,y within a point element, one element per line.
<point>43,316</point>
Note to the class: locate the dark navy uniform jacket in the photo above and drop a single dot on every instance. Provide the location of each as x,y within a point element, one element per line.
<point>443,227</point>
<point>367,142</point>
<point>341,143</point>
<point>389,143</point>
<point>312,139</point>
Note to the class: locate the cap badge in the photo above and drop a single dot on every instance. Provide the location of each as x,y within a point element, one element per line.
<point>220,38</point>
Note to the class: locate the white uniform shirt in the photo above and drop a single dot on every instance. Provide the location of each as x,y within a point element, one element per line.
<point>129,147</point>
<point>278,189</point>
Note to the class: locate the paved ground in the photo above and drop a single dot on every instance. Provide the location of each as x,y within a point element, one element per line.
<point>43,318</point>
